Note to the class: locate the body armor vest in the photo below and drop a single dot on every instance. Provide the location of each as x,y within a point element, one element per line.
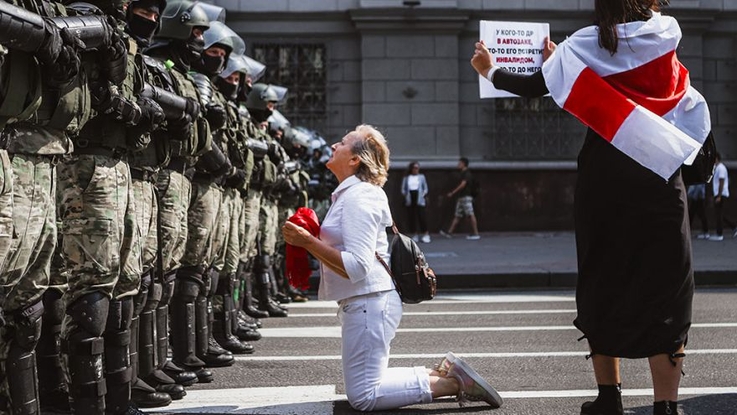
<point>104,130</point>
<point>40,119</point>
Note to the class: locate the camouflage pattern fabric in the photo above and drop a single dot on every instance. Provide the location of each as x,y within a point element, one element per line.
<point>95,192</point>
<point>32,231</point>
<point>146,221</point>
<point>201,221</point>
<point>233,247</point>
<point>6,208</point>
<point>221,234</point>
<point>174,192</point>
<point>250,224</point>
<point>27,266</point>
<point>268,226</point>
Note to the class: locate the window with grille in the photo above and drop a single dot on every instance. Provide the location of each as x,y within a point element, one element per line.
<point>302,69</point>
<point>533,129</point>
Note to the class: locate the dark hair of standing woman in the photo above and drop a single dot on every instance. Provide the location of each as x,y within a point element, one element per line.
<point>610,13</point>
<point>410,166</point>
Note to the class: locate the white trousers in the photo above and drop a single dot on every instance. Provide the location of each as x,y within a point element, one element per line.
<point>369,323</point>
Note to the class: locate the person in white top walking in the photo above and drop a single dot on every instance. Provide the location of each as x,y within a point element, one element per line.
<point>414,190</point>
<point>370,309</point>
<point>720,184</point>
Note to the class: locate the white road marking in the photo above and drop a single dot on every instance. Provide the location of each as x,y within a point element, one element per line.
<point>319,399</point>
<point>303,400</point>
<point>430,356</point>
<point>466,298</point>
<point>454,313</point>
<point>334,331</point>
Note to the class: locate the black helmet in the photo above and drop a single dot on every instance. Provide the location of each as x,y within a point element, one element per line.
<point>180,17</point>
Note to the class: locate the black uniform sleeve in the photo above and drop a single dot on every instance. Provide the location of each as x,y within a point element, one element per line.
<point>528,86</point>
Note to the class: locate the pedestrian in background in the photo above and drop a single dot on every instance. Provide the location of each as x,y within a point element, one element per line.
<point>352,238</point>
<point>720,184</point>
<point>697,208</point>
<point>414,190</point>
<point>635,277</point>
<point>464,204</point>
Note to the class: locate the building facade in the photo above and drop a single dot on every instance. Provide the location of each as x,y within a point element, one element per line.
<point>403,66</point>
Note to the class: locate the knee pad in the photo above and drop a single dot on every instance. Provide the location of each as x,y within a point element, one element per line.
<point>27,327</point>
<point>90,313</point>
<point>139,301</point>
<point>186,291</point>
<point>154,297</point>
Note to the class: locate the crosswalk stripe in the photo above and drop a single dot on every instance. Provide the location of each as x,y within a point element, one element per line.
<point>452,313</point>
<point>319,399</point>
<point>334,331</point>
<point>475,355</point>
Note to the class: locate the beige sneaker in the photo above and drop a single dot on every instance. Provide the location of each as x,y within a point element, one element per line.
<point>473,386</point>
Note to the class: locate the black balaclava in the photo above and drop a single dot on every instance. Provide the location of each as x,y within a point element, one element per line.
<point>260,115</point>
<point>140,28</point>
<point>229,90</point>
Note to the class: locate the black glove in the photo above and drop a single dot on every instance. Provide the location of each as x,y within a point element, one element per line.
<point>193,109</point>
<point>107,100</point>
<point>59,55</point>
<point>152,116</point>
<point>236,180</point>
<point>115,56</point>
<point>216,116</point>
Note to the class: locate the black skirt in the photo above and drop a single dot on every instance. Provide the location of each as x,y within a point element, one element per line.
<point>635,277</point>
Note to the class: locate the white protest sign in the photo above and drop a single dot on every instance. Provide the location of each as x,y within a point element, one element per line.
<point>514,46</point>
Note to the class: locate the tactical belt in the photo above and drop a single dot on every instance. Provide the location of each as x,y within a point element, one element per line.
<point>143,175</point>
<point>178,165</point>
<point>100,151</point>
<point>204,178</point>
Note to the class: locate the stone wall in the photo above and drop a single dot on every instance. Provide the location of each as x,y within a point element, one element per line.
<point>404,67</point>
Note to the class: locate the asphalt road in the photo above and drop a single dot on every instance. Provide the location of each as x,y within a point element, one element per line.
<point>523,343</point>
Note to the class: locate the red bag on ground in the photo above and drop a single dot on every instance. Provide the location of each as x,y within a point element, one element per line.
<point>297,262</point>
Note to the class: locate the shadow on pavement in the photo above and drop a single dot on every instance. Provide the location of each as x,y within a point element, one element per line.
<point>708,404</point>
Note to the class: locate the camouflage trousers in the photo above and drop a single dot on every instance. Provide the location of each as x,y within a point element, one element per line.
<point>221,235</point>
<point>6,209</point>
<point>249,224</point>
<point>232,254</point>
<point>201,222</point>
<point>100,242</point>
<point>174,192</point>
<point>268,226</point>
<point>146,221</point>
<point>32,231</point>
<point>27,266</point>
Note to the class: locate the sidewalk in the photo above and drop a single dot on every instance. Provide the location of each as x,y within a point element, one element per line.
<point>547,259</point>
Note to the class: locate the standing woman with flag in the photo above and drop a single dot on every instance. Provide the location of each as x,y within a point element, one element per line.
<point>621,78</point>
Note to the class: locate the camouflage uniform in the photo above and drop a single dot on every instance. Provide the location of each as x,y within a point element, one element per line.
<point>101,244</point>
<point>56,106</point>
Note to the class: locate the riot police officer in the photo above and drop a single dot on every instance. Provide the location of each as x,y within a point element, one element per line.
<point>42,106</point>
<point>176,47</point>
<point>260,104</point>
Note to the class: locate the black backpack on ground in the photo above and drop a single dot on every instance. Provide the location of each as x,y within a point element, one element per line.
<point>413,277</point>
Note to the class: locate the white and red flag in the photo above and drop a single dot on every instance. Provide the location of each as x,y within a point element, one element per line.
<point>640,99</point>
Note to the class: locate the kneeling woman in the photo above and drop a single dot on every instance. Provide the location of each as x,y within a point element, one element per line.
<point>353,231</point>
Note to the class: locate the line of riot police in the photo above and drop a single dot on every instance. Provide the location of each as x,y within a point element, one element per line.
<point>141,190</point>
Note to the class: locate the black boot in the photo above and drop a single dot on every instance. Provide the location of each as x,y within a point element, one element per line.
<point>20,366</point>
<point>183,317</point>
<point>222,328</point>
<point>144,396</point>
<point>52,386</point>
<point>665,408</point>
<point>161,335</point>
<point>118,370</point>
<point>247,302</point>
<point>263,281</point>
<point>609,402</point>
<point>83,348</point>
